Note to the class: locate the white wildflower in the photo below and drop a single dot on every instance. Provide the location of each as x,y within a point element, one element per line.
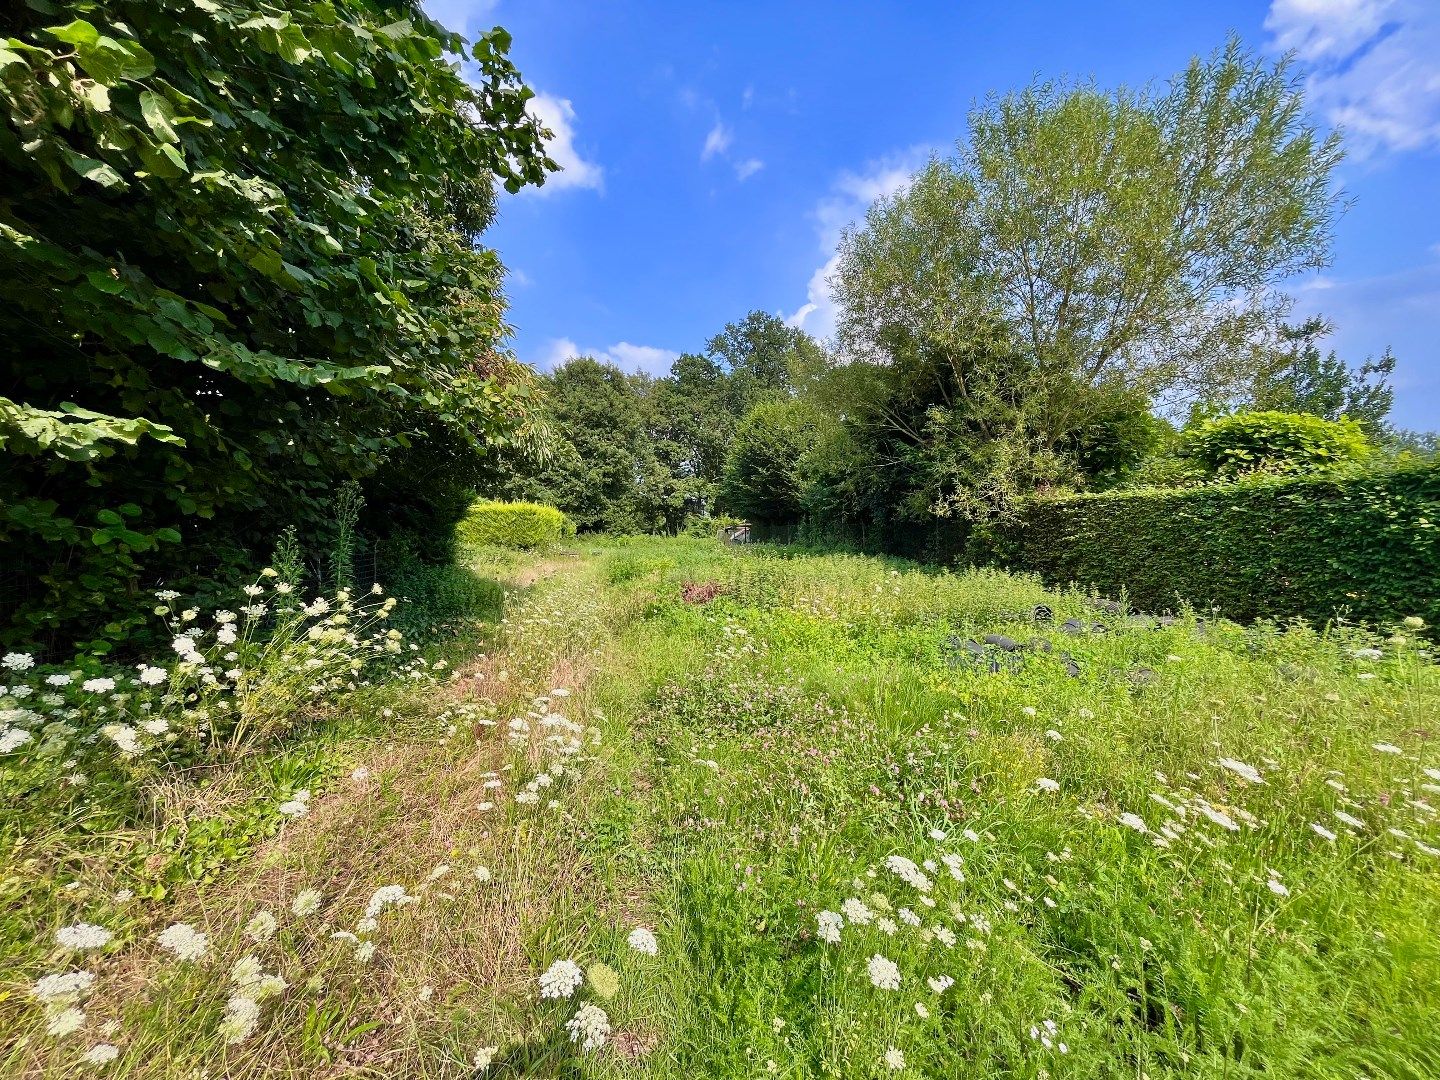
<point>1246,772</point>
<point>561,979</point>
<point>484,1057</point>
<point>1046,784</point>
<point>242,1016</point>
<point>907,871</point>
<point>589,1027</point>
<point>101,1054</point>
<point>884,974</point>
<point>306,902</point>
<point>1219,817</point>
<point>83,936</point>
<point>643,940</point>
<point>384,897</point>
<point>261,926</point>
<point>14,738</point>
<point>64,988</point>
<point>857,912</point>
<point>65,1022</point>
<point>940,983</point>
<point>184,941</point>
<point>828,924</point>
<point>894,1059</point>
<point>1134,821</point>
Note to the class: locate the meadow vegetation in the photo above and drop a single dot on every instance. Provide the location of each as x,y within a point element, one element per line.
<point>343,732</point>
<point>687,810</point>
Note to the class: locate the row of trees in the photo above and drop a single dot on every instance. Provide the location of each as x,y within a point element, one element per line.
<point>633,453</point>
<point>239,268</point>
<point>1068,302</point>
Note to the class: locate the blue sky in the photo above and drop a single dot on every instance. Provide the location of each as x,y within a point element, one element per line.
<point>713,151</point>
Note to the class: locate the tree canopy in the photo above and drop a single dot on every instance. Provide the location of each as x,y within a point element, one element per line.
<point>237,267</point>
<point>1084,250</point>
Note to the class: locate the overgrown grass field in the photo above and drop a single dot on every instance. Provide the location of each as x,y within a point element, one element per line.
<point>695,811</point>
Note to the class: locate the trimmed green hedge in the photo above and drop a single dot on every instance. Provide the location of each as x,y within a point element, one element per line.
<point>513,525</point>
<point>1366,547</point>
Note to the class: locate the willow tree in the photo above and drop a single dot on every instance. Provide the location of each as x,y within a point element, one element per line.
<point>1086,252</point>
<point>238,267</point>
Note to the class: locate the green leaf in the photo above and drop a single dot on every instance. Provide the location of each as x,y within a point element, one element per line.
<point>97,95</point>
<point>94,170</point>
<point>78,32</point>
<point>160,115</point>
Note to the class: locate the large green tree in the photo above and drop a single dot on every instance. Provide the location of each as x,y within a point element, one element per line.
<point>1083,251</point>
<point>238,267</point>
<point>1304,380</point>
<point>602,469</point>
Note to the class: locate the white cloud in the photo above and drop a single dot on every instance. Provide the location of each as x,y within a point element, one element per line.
<point>717,142</point>
<point>748,168</point>
<point>1374,67</point>
<point>558,115</point>
<point>850,196</point>
<point>639,357</point>
<point>556,352</point>
<point>623,354</point>
<point>462,16</point>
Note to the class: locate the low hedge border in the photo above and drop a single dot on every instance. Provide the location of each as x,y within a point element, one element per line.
<point>1363,546</point>
<point>513,524</point>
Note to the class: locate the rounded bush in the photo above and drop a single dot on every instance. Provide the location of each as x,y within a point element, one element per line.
<point>1228,447</point>
<point>513,524</point>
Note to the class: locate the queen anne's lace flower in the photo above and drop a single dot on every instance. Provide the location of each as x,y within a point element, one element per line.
<point>83,936</point>
<point>642,940</point>
<point>907,871</point>
<point>184,941</point>
<point>384,897</point>
<point>63,988</point>
<point>242,1016</point>
<point>589,1027</point>
<point>306,902</point>
<point>828,924</point>
<point>1247,773</point>
<point>261,926</point>
<point>884,974</point>
<point>65,1022</point>
<point>856,911</point>
<point>561,979</point>
<point>101,1054</point>
<point>484,1057</point>
<point>1134,821</point>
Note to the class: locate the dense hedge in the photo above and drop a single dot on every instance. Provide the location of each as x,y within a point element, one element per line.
<point>513,524</point>
<point>1366,547</point>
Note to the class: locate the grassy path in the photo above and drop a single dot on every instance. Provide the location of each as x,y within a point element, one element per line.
<point>865,845</point>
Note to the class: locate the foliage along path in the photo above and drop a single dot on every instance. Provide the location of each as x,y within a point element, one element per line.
<point>713,813</point>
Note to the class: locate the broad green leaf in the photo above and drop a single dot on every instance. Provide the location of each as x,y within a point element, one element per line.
<point>94,170</point>
<point>97,95</point>
<point>160,115</point>
<point>78,32</point>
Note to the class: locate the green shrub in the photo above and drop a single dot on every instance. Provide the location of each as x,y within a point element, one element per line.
<point>219,303</point>
<point>513,524</point>
<point>1229,447</point>
<point>1365,546</point>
